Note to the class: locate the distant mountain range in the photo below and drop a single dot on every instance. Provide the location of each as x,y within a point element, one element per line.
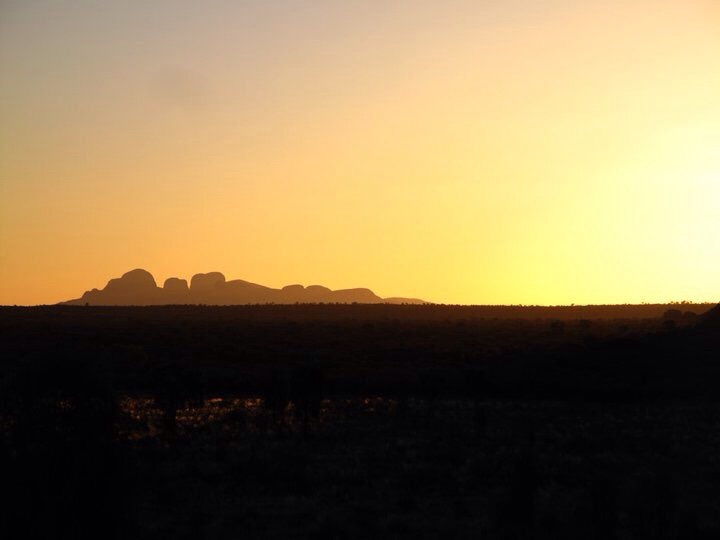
<point>138,288</point>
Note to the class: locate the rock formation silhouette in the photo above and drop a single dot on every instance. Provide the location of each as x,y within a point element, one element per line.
<point>206,282</point>
<point>710,320</point>
<point>138,288</point>
<point>176,285</point>
<point>713,314</point>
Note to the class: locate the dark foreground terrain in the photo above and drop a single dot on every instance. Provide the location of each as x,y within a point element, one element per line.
<point>360,422</point>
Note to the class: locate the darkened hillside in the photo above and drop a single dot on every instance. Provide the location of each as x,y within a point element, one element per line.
<point>374,348</point>
<point>358,422</point>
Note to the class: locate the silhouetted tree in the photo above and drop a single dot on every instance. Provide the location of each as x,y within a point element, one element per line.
<point>175,387</point>
<point>557,327</point>
<point>306,392</point>
<point>523,486</point>
<point>276,395</point>
<point>479,388</point>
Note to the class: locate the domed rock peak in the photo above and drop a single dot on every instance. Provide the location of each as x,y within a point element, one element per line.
<point>174,284</point>
<point>206,282</point>
<point>293,288</point>
<point>137,279</point>
<point>317,289</point>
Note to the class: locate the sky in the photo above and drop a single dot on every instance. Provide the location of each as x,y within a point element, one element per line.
<point>463,151</point>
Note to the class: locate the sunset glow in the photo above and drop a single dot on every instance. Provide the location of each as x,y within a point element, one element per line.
<point>521,152</point>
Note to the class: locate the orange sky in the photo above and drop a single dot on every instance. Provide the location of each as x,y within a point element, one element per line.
<point>535,152</point>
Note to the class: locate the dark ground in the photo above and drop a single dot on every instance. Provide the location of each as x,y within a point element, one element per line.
<point>359,422</point>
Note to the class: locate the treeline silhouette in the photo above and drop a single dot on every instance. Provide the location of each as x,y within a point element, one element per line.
<point>263,421</point>
<point>240,349</point>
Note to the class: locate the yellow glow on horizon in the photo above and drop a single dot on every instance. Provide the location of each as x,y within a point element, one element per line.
<point>549,152</point>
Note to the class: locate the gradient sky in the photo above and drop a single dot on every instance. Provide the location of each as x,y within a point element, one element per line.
<point>534,152</point>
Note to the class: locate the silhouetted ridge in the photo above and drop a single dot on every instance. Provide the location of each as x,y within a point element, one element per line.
<point>711,319</point>
<point>714,313</point>
<point>138,288</point>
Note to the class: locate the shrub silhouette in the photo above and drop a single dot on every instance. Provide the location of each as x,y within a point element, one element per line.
<point>306,392</point>
<point>479,389</point>
<point>276,395</point>
<point>557,327</point>
<point>520,512</point>
<point>175,387</point>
